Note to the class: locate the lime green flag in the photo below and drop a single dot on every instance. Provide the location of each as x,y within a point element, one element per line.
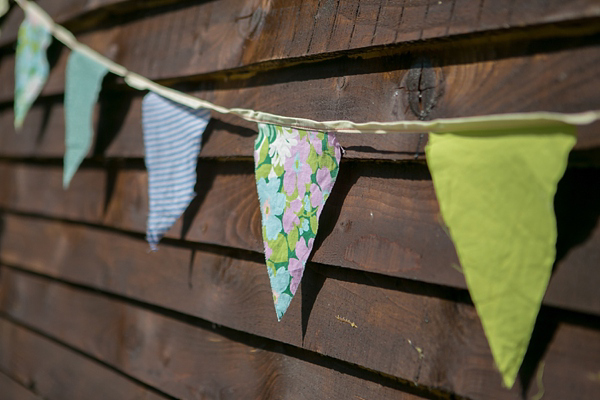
<point>83,83</point>
<point>496,193</point>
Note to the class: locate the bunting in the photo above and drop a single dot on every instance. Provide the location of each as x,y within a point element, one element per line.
<point>495,177</point>
<point>83,82</point>
<point>496,193</point>
<point>4,7</point>
<point>31,66</point>
<point>172,140</point>
<point>295,171</point>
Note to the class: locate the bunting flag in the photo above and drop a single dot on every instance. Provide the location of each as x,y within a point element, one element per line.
<point>83,82</point>
<point>172,140</point>
<point>31,66</point>
<point>295,172</point>
<point>496,193</point>
<point>4,7</point>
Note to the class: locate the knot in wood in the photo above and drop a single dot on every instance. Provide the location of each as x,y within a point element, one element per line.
<point>252,18</point>
<point>424,87</point>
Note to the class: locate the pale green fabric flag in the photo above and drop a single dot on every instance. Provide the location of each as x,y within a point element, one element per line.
<point>3,7</point>
<point>496,193</point>
<point>31,66</point>
<point>83,82</point>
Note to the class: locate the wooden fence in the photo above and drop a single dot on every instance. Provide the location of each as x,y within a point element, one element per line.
<point>383,311</point>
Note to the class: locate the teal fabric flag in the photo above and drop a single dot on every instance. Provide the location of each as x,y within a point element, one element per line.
<point>31,66</point>
<point>83,82</point>
<point>295,172</point>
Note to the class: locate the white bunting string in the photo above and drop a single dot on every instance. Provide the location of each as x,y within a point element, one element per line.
<point>477,123</point>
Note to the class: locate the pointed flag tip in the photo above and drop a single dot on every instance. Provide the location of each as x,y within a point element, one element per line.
<point>172,141</point>
<point>481,185</point>
<point>295,171</point>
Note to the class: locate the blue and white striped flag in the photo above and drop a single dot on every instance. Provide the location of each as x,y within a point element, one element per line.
<point>172,139</point>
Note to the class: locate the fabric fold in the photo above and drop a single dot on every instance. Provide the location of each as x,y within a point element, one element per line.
<point>31,66</point>
<point>172,141</point>
<point>496,195</point>
<point>83,83</point>
<point>295,172</point>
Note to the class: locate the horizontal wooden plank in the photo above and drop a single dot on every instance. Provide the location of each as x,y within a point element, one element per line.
<point>468,81</point>
<point>393,318</point>
<point>58,373</point>
<point>163,46</point>
<point>172,355</point>
<point>381,96</point>
<point>376,213</point>
<point>15,391</point>
<point>211,36</point>
<point>76,15</point>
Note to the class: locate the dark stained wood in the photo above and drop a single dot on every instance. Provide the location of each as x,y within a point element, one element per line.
<point>195,319</point>
<point>13,390</point>
<point>374,215</point>
<point>473,88</point>
<point>182,359</point>
<point>56,372</point>
<point>393,318</point>
<point>77,15</point>
<point>67,203</point>
<point>204,38</point>
<point>334,26</point>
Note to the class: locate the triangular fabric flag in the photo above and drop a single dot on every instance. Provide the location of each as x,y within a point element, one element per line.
<point>172,140</point>
<point>496,193</point>
<point>31,66</point>
<point>295,171</point>
<point>83,83</point>
<point>4,7</point>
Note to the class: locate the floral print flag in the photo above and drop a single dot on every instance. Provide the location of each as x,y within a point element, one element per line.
<point>31,66</point>
<point>295,171</point>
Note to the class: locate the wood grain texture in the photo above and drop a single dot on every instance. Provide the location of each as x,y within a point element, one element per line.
<point>361,90</point>
<point>77,15</point>
<point>80,273</point>
<point>393,317</point>
<point>10,389</point>
<point>55,372</point>
<point>181,358</point>
<point>375,214</point>
<point>255,31</point>
<point>197,40</point>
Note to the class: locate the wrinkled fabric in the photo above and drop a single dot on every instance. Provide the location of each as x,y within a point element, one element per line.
<point>31,66</point>
<point>172,140</point>
<point>83,83</point>
<point>295,172</point>
<point>496,195</point>
<point>4,7</point>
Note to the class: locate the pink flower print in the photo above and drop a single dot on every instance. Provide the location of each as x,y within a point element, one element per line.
<point>256,158</point>
<point>324,180</point>
<point>268,250</point>
<point>333,142</point>
<point>316,196</point>
<point>302,250</point>
<point>290,216</point>
<point>296,269</point>
<point>297,170</point>
<point>316,141</point>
